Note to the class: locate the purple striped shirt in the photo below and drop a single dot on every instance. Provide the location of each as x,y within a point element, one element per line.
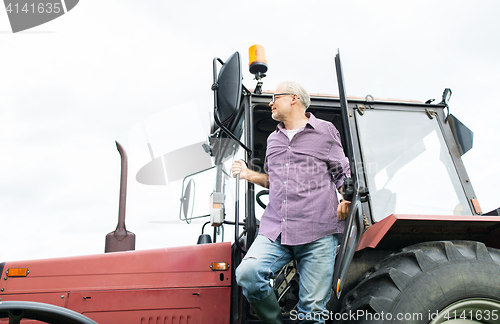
<point>303,174</point>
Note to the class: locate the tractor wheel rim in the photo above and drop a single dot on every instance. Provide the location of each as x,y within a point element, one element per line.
<point>468,311</point>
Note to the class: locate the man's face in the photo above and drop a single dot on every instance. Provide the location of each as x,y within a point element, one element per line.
<point>280,107</point>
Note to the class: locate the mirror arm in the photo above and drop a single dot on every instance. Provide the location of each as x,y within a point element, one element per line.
<point>225,130</point>
<point>246,92</point>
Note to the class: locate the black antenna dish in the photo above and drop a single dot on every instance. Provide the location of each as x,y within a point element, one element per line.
<point>229,89</point>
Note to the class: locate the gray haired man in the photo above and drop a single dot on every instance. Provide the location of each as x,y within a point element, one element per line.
<point>305,164</point>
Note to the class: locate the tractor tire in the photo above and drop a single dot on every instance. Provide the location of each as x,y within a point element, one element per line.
<point>434,282</point>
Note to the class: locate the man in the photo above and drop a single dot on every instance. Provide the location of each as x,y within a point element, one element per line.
<point>304,165</point>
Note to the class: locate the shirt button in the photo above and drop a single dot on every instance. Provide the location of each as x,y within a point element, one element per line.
<point>283,220</point>
<point>289,146</point>
<point>286,164</point>
<point>284,201</point>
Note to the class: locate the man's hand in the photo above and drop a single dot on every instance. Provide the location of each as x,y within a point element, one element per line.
<point>241,168</point>
<point>343,209</point>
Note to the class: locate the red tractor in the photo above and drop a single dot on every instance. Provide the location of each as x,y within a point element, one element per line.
<point>417,248</point>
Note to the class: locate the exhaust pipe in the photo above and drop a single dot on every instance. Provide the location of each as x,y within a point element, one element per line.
<point>121,239</point>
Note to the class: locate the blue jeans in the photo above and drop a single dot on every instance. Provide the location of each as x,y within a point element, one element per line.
<point>315,262</point>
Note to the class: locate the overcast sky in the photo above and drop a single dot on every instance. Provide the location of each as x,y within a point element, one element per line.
<point>73,86</point>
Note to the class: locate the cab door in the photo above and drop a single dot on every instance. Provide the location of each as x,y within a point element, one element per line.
<point>353,191</point>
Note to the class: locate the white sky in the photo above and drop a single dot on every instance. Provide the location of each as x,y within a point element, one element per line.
<point>73,86</point>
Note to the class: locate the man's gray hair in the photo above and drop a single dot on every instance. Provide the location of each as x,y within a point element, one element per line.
<point>299,90</point>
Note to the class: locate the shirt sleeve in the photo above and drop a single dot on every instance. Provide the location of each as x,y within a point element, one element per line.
<point>338,163</point>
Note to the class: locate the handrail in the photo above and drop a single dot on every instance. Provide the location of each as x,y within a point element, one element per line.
<point>237,217</point>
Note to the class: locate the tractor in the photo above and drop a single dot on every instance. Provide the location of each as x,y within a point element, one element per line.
<point>416,248</point>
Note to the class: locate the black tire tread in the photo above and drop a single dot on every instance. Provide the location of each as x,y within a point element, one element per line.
<point>379,290</point>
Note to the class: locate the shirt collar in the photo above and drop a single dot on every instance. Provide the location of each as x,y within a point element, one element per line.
<point>313,122</point>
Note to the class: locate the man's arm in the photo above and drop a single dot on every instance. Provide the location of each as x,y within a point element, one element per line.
<point>240,167</point>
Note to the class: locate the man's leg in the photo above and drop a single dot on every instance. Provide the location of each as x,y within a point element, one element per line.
<point>315,266</point>
<point>262,261</point>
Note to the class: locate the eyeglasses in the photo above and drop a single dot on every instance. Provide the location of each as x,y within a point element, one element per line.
<point>280,94</point>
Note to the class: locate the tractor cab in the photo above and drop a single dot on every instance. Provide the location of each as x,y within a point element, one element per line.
<point>405,159</point>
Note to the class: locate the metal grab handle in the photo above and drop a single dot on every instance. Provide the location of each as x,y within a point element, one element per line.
<point>237,217</point>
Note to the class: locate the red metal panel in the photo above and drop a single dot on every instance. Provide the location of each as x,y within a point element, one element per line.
<point>56,298</point>
<point>162,316</point>
<point>397,223</point>
<point>375,233</point>
<point>116,281</point>
<point>193,305</point>
<point>187,258</point>
<point>162,268</point>
<point>148,285</point>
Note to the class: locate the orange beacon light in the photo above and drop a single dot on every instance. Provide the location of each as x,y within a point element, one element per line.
<point>257,65</point>
<point>257,58</point>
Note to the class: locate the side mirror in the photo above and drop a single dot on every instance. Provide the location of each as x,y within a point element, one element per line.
<point>228,89</point>
<point>186,202</point>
